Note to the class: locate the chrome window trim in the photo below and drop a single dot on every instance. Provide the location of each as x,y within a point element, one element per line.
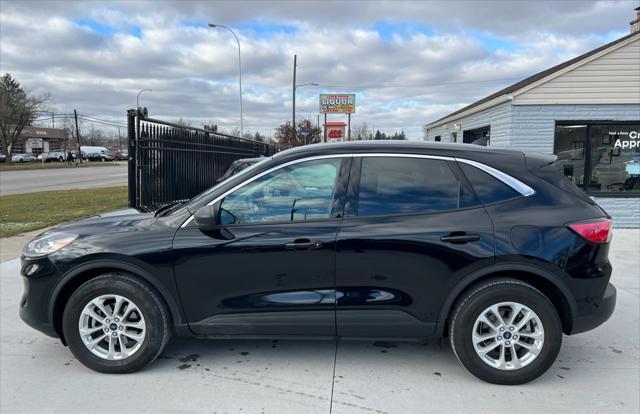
<point>512,182</point>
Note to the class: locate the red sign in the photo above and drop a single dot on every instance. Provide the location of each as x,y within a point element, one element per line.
<point>335,133</point>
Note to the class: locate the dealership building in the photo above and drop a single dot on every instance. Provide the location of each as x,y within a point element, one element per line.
<point>35,140</point>
<point>585,110</point>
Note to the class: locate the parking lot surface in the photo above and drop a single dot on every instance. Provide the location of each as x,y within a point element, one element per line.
<point>596,372</point>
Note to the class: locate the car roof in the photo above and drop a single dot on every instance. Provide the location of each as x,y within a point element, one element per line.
<point>394,146</point>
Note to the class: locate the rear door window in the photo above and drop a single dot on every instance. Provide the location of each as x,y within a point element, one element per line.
<point>488,189</point>
<point>400,185</point>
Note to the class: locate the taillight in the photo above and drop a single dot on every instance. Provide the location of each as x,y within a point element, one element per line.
<point>597,231</point>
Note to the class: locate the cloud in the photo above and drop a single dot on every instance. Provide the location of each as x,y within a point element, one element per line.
<point>408,62</point>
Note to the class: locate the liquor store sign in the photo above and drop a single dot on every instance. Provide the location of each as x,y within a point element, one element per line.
<point>337,103</point>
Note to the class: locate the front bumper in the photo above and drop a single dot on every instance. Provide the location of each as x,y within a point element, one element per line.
<point>601,312</point>
<point>38,278</point>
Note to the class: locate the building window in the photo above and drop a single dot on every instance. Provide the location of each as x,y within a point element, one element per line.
<point>438,138</point>
<point>600,157</point>
<point>479,136</point>
<point>19,147</point>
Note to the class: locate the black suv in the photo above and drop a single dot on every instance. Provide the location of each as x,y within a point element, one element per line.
<point>493,249</point>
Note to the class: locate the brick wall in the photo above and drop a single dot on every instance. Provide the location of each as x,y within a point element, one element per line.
<point>625,211</point>
<point>498,117</point>
<point>532,126</point>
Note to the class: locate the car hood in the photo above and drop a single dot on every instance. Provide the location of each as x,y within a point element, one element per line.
<point>113,221</point>
<point>123,212</point>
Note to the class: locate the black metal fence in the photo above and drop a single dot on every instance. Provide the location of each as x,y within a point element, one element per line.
<point>170,162</point>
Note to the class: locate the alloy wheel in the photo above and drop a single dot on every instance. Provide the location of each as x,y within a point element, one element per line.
<point>112,327</point>
<point>508,336</point>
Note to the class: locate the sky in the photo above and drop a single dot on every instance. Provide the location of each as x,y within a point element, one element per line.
<point>408,63</point>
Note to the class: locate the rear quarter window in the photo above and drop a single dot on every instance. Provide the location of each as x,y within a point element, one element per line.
<point>488,189</point>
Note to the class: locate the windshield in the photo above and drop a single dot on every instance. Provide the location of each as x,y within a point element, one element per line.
<point>206,193</point>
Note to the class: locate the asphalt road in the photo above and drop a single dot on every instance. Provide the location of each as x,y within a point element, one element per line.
<point>30,181</point>
<point>596,372</point>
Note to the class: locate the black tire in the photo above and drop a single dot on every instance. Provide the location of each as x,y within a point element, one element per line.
<point>489,293</point>
<point>156,316</point>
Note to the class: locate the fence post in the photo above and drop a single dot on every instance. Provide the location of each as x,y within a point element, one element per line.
<point>132,167</point>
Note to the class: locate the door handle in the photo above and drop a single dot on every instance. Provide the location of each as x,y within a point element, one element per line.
<point>460,238</point>
<point>303,244</point>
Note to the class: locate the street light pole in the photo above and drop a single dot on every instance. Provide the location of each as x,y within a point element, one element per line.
<point>239,70</point>
<point>293,109</point>
<point>295,58</point>
<point>138,97</point>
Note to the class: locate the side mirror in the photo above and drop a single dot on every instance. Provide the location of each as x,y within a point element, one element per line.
<point>207,217</point>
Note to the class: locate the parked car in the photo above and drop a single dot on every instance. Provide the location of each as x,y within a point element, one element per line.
<point>22,158</point>
<point>3,158</point>
<point>239,165</point>
<point>98,157</point>
<point>493,249</point>
<point>57,156</point>
<point>120,156</point>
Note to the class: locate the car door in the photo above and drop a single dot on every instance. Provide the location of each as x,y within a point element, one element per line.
<point>269,269</point>
<point>412,229</point>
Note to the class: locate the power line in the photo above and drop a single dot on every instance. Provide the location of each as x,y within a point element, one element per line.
<point>103,122</point>
<point>414,85</point>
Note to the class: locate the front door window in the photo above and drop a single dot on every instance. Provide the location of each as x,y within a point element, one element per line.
<point>299,192</point>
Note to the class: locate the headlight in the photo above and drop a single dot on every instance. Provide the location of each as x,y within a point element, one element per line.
<point>48,243</point>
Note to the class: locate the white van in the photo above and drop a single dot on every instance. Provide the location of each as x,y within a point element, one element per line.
<point>84,149</point>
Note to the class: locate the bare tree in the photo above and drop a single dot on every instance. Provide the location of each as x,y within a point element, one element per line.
<point>363,132</point>
<point>307,133</point>
<point>285,136</point>
<point>69,125</point>
<point>17,110</point>
<point>235,131</point>
<point>95,136</point>
<point>182,122</point>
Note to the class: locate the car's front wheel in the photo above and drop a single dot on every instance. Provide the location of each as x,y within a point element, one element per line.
<point>506,332</point>
<point>115,323</point>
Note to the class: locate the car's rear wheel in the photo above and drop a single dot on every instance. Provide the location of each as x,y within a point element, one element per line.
<point>506,332</point>
<point>115,323</point>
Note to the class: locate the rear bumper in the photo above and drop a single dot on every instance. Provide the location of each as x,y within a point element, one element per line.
<point>601,313</point>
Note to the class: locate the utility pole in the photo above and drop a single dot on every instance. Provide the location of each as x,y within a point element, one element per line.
<point>78,152</point>
<point>53,123</point>
<point>119,140</point>
<point>295,61</point>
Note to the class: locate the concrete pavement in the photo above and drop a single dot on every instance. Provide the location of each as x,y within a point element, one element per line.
<point>11,247</point>
<point>30,181</point>
<point>596,372</point>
